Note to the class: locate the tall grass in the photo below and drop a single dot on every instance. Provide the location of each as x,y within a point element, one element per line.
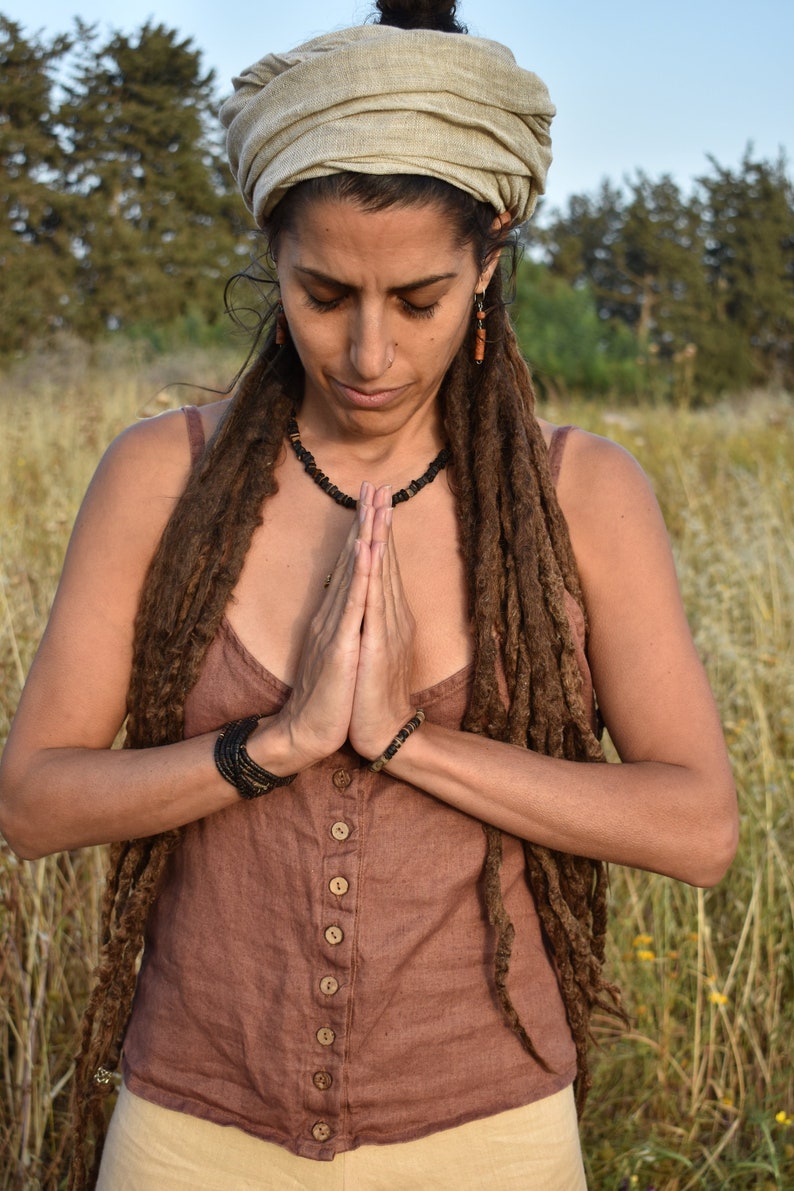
<point>699,1091</point>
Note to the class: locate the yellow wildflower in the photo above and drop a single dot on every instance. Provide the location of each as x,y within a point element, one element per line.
<point>718,998</point>
<point>783,1118</point>
<point>647,956</point>
<point>642,941</point>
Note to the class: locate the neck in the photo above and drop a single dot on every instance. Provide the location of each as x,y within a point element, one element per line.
<point>377,441</point>
<point>399,496</point>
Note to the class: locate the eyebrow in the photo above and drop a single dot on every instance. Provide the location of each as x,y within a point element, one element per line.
<point>422,283</point>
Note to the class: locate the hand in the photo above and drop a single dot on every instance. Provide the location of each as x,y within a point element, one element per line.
<point>316,718</point>
<point>382,695</point>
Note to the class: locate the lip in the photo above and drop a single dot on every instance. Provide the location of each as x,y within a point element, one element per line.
<point>368,399</point>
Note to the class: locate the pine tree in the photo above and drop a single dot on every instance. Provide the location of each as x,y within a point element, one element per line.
<point>36,262</point>
<point>748,218</point>
<point>159,229</point>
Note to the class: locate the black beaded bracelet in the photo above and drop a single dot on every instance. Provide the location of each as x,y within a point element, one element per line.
<point>399,740</point>
<point>234,764</point>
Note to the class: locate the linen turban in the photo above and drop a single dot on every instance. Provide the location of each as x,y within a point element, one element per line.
<point>379,100</point>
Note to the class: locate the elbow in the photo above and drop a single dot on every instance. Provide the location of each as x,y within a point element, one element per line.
<point>18,828</point>
<point>720,841</point>
<point>18,837</point>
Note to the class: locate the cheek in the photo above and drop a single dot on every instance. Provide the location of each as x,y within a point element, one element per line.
<point>450,344</point>
<point>311,340</point>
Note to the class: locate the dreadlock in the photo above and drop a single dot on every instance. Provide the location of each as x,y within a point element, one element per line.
<point>519,565</point>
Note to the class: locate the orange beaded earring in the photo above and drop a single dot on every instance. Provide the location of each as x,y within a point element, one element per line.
<point>282,327</point>
<point>479,332</point>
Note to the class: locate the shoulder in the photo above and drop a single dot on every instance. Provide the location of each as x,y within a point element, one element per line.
<point>133,493</point>
<point>163,441</point>
<point>617,531</point>
<point>151,459</point>
<point>599,483</point>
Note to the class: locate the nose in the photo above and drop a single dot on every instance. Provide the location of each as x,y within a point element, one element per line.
<point>371,343</point>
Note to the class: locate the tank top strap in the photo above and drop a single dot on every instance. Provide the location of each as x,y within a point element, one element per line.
<point>556,448</point>
<point>195,432</point>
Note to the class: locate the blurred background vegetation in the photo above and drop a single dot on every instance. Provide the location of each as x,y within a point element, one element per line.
<point>118,215</point>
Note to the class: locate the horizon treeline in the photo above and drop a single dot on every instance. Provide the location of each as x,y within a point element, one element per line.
<point>118,214</point>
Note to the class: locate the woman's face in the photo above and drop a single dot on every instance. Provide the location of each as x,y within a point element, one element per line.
<point>378,303</point>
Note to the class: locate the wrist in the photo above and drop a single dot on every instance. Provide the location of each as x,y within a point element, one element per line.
<point>236,765</point>
<point>279,745</point>
<point>411,725</point>
<point>272,746</point>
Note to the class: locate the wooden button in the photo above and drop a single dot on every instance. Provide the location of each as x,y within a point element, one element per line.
<point>340,830</point>
<point>341,779</point>
<point>334,935</point>
<point>325,1036</point>
<point>321,1131</point>
<point>322,1080</point>
<point>329,985</point>
<point>338,885</point>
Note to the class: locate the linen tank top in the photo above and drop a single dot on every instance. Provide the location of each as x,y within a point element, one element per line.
<point>318,966</point>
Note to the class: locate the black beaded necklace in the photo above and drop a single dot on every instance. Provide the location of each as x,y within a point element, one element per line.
<point>348,502</point>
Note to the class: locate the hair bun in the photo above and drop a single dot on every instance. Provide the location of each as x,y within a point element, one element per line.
<point>420,14</point>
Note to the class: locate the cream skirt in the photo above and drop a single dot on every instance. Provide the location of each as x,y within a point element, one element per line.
<point>535,1148</point>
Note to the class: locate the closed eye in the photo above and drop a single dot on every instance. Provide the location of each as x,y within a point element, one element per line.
<point>325,305</point>
<point>414,311</point>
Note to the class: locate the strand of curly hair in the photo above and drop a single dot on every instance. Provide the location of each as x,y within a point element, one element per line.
<point>519,563</point>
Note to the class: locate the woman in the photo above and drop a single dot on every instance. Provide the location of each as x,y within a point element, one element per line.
<point>365,828</point>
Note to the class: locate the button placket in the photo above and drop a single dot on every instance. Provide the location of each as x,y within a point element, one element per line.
<point>335,950</point>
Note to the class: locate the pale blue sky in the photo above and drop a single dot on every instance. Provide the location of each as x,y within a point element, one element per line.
<point>655,86</point>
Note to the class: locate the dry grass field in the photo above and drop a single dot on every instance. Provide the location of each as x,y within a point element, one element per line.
<point>699,1091</point>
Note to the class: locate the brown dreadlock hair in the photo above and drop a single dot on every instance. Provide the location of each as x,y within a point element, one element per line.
<point>518,561</point>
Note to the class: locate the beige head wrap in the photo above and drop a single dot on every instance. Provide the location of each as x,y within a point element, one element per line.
<point>378,100</point>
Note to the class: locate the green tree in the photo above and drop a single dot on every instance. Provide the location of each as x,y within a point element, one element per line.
<point>36,262</point>
<point>582,246</point>
<point>157,228</point>
<point>569,346</point>
<point>640,253</point>
<point>705,282</point>
<point>748,229</point>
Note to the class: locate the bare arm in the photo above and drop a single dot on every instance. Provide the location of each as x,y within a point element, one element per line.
<point>671,806</point>
<point>62,786</point>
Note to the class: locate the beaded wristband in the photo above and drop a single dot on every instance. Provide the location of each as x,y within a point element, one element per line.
<point>234,764</point>
<point>399,740</point>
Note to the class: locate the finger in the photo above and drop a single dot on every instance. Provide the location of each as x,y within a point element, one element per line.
<point>382,515</point>
<point>399,618</point>
<point>360,529</point>
<point>366,504</point>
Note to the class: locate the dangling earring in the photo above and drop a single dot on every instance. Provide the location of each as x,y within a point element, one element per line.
<point>282,327</point>
<point>479,332</point>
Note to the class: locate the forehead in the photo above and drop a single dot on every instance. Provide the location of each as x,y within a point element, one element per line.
<point>333,234</point>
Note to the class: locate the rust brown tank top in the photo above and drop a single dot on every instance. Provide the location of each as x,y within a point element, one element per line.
<point>318,965</point>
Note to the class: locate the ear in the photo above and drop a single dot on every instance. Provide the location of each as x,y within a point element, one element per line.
<point>499,228</point>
